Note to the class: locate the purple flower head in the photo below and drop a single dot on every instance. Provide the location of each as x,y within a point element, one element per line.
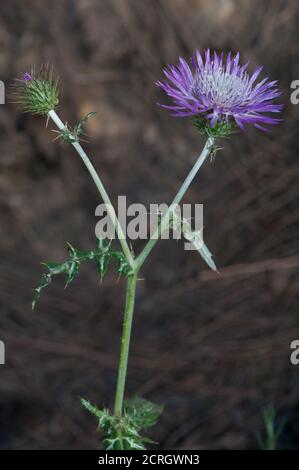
<point>27,77</point>
<point>220,90</point>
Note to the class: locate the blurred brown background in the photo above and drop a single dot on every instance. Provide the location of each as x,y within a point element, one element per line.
<point>214,349</point>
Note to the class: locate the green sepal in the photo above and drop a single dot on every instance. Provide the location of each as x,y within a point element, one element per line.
<point>222,128</point>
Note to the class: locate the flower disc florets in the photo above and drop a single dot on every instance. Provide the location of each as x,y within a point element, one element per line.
<point>220,91</point>
<point>37,92</point>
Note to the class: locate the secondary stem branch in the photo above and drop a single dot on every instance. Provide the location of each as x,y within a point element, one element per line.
<point>135,264</point>
<point>177,199</point>
<point>131,286</point>
<point>110,209</point>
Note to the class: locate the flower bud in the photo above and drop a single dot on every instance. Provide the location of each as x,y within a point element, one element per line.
<point>37,92</point>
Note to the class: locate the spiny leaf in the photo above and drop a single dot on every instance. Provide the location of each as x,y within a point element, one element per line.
<point>123,432</point>
<point>143,412</point>
<point>102,265</point>
<point>103,244</point>
<point>70,135</point>
<point>91,408</point>
<point>124,269</point>
<point>72,272</point>
<point>78,129</point>
<point>46,279</point>
<point>102,256</point>
<point>180,224</point>
<point>196,239</point>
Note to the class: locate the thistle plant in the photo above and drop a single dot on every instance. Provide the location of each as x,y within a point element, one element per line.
<point>221,97</point>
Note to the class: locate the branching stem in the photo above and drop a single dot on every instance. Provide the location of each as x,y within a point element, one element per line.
<point>177,199</point>
<point>131,285</point>
<point>135,263</point>
<point>127,252</point>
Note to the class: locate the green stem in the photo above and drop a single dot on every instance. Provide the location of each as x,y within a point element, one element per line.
<point>177,199</point>
<point>125,343</point>
<point>132,280</point>
<point>110,209</point>
<point>135,264</point>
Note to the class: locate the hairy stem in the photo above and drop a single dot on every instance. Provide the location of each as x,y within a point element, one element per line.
<point>177,199</point>
<point>127,252</point>
<point>125,343</point>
